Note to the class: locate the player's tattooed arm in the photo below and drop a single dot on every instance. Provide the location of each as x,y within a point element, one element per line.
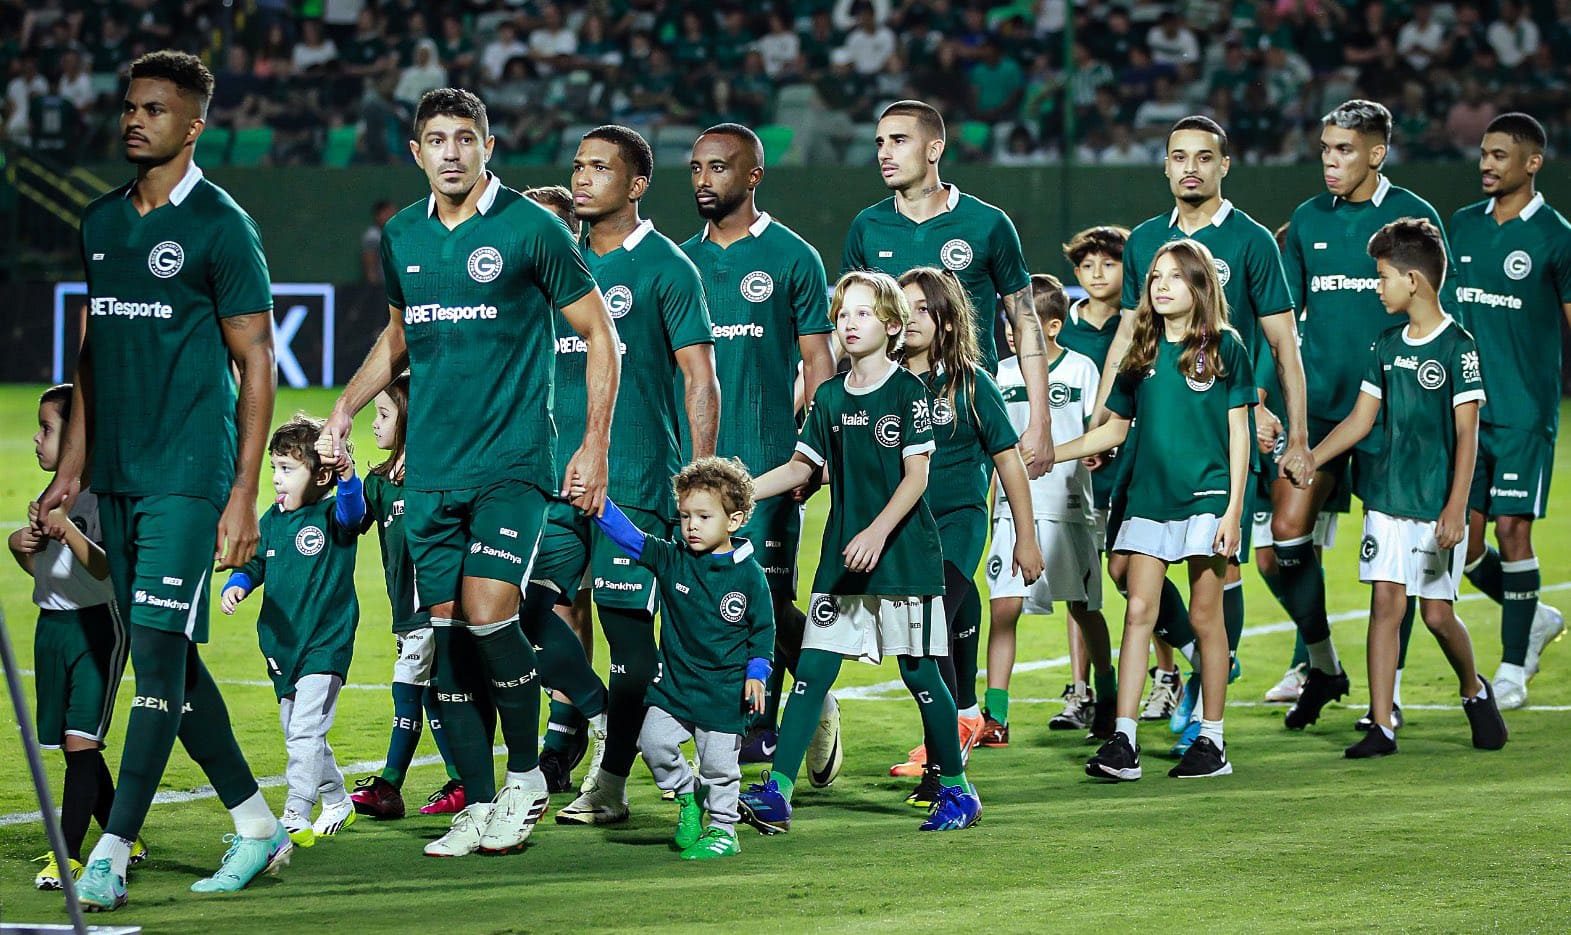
<point>586,473</point>
<point>388,357</point>
<point>1036,443</point>
<point>249,339</point>
<point>702,396</point>
<point>1281,333</point>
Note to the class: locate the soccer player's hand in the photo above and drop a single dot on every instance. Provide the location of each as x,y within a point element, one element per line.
<point>1451,528</point>
<point>1028,559</point>
<point>56,523</point>
<point>1228,535</point>
<point>585,479</point>
<point>237,531</point>
<point>330,445</point>
<point>1298,465</point>
<point>1036,447</point>
<point>753,694</point>
<point>1267,428</point>
<point>231,599</point>
<point>864,550</point>
<point>61,492</point>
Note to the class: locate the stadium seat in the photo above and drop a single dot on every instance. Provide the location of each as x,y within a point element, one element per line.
<point>673,144</point>
<point>340,146</point>
<point>251,146</point>
<point>215,145</point>
<point>568,146</point>
<point>777,139</point>
<point>976,135</point>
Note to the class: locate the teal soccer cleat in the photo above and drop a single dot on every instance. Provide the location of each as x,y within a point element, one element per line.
<point>98,889</point>
<point>245,860</point>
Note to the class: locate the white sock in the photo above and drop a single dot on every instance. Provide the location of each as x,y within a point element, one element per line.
<point>1212,731</point>
<point>1483,691</point>
<point>1322,656</point>
<point>1191,652</point>
<point>597,723</point>
<point>1127,726</point>
<point>1390,734</point>
<point>1081,690</point>
<point>972,711</point>
<point>615,786</point>
<point>253,818</point>
<point>1511,673</point>
<point>531,778</point>
<point>1396,692</point>
<point>116,850</point>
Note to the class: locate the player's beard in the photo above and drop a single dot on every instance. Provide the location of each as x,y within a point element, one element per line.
<point>722,206</point>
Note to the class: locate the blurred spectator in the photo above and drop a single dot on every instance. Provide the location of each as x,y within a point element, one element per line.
<point>1154,117</point>
<point>552,42</point>
<point>366,53</point>
<point>1125,150</point>
<point>1514,36</point>
<point>997,84</point>
<point>424,75</point>
<point>371,242</point>
<point>1171,42</point>
<point>1021,149</point>
<point>314,52</point>
<point>455,51</point>
<point>1468,117</point>
<point>501,50</point>
<point>870,44</point>
<point>1422,39</point>
<point>780,47</point>
<point>24,85</point>
<point>76,85</point>
<point>846,12</point>
<point>53,122</point>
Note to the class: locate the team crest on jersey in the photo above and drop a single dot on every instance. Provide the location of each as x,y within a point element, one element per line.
<point>1368,549</point>
<point>733,607</point>
<point>1518,264</point>
<point>995,567</point>
<point>1058,395</point>
<point>887,431</point>
<point>943,411</point>
<point>166,259</point>
<point>619,300</point>
<point>956,255</point>
<point>485,264</point>
<point>1223,271</point>
<point>1200,386</point>
<point>823,610</point>
<point>758,286</point>
<point>1431,375</point>
<point>310,540</point>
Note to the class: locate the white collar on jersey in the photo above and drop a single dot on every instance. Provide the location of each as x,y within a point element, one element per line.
<point>193,174</point>
<point>741,551</point>
<point>1222,212</point>
<point>1527,212</point>
<point>1445,322</point>
<point>864,390</point>
<point>754,229</point>
<point>949,203</point>
<point>1381,191</point>
<point>644,229</point>
<point>487,199</point>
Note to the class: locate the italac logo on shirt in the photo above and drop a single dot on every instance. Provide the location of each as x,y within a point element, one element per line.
<point>115,308</point>
<point>1337,282</point>
<point>859,417</point>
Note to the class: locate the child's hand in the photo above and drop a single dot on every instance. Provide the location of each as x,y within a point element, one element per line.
<point>1228,535</point>
<point>1094,462</point>
<point>753,694</point>
<point>325,451</point>
<point>346,465</point>
<point>1302,478</point>
<point>1028,559</point>
<point>27,541</point>
<point>864,550</point>
<point>231,599</point>
<point>1452,528</point>
<point>1267,428</point>
<point>55,528</point>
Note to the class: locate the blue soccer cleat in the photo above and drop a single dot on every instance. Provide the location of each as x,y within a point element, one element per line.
<point>955,809</point>
<point>246,859</point>
<point>98,889</point>
<point>1186,739</point>
<point>765,807</point>
<point>1185,709</point>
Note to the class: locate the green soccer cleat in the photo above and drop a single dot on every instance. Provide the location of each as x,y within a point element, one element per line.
<point>689,821</point>
<point>139,851</point>
<point>246,859</point>
<point>49,877</point>
<point>715,843</point>
<point>98,889</point>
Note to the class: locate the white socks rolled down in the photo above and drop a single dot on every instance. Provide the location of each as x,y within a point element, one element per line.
<point>254,818</point>
<point>1127,726</point>
<point>116,850</point>
<point>1322,656</point>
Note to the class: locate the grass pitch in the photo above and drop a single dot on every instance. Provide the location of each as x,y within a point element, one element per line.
<point>1438,838</point>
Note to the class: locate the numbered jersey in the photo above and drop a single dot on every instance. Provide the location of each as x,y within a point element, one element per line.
<point>1063,494</point>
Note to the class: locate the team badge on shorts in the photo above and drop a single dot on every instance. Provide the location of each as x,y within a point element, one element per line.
<point>166,259</point>
<point>733,607</point>
<point>823,611</point>
<point>956,255</point>
<point>1368,549</point>
<point>310,540</point>
<point>1518,264</point>
<point>757,286</point>
<point>995,567</point>
<point>618,300</point>
<point>485,264</point>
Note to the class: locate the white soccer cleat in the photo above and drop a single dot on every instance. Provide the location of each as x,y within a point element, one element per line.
<point>1291,686</point>
<point>1548,624</point>
<point>596,751</point>
<point>595,807</point>
<point>825,754</point>
<point>463,836</point>
<point>1510,688</point>
<point>334,818</point>
<point>518,807</point>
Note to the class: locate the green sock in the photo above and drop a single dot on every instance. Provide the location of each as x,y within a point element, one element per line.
<point>786,784</point>
<point>1304,589</point>
<point>967,627</point>
<point>1301,651</point>
<point>959,781</point>
<point>1406,632</point>
<point>1521,581</point>
<point>940,717</point>
<point>996,701</point>
<point>1106,685</point>
<point>1233,614</point>
<point>562,726</point>
<point>816,671</point>
<point>1487,575</point>
<point>1172,617</point>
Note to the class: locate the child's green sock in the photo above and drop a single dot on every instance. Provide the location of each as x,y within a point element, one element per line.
<point>996,701</point>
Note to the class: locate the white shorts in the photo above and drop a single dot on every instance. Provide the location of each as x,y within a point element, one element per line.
<point>1405,551</point>
<point>1171,541</point>
<point>1324,535</point>
<point>416,655</point>
<point>1073,570</point>
<point>869,627</point>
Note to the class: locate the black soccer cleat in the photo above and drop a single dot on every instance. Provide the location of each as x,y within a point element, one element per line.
<point>925,795</point>
<point>1115,761</point>
<point>1320,689</point>
<point>1367,722</point>
<point>1202,760</point>
<point>1483,715</point>
<point>1374,743</point>
<point>558,774</point>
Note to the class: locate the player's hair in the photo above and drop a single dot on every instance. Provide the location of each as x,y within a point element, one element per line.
<point>726,478</point>
<point>1412,245</point>
<point>297,439</point>
<point>1523,128</point>
<point>740,133</point>
<point>954,347</point>
<point>927,116</point>
<point>185,71</point>
<point>1202,353</point>
<point>1047,294</point>
<point>398,392</point>
<point>556,199</point>
<point>1205,125</point>
<point>451,102</point>
<point>889,302</point>
<point>1280,235</point>
<point>630,145</point>
<point>1106,240</point>
<point>58,395</point>
<point>1370,118</point>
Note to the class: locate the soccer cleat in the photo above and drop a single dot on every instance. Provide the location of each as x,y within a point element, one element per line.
<point>558,775</point>
<point>1548,625</point>
<point>49,877</point>
<point>378,798</point>
<point>765,808</point>
<point>1509,689</point>
<point>1186,739</point>
<point>298,827</point>
<point>995,733</point>
<point>716,842</point>
<point>1202,760</point>
<point>1235,669</point>
<point>689,821</point>
<point>1184,710</point>
<point>970,730</point>
<point>518,807</point>
<point>596,732</point>
<point>955,810</point>
<point>913,764</point>
<point>578,745</point>
<point>1115,761</point>
<point>139,851</point>
<point>1483,716</point>
<point>1166,687</point>
<point>98,889</point>
<point>594,807</point>
<point>247,859</point>
<point>759,745</point>
<point>334,818</point>
<point>1373,744</point>
<point>463,835</point>
<point>1320,689</point>
<point>448,800</point>
<point>825,756</point>
<point>925,795</point>
<point>1291,686</point>
<point>1077,711</point>
<point>1367,722</point>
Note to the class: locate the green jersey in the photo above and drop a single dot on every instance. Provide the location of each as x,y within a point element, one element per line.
<point>1180,468</point>
<point>968,431</point>
<point>653,292</point>
<point>1419,383</point>
<point>765,292</point>
<point>716,614</point>
<point>477,302</point>
<point>385,502</point>
<point>972,239</point>
<point>1512,283</point>
<point>1082,337</point>
<point>865,434</point>
<point>163,401</point>
<point>1333,280</point>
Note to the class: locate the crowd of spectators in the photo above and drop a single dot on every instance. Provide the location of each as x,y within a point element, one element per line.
<point>1003,73</point>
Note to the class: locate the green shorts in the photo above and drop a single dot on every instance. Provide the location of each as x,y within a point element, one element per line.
<point>564,549</point>
<point>619,582</point>
<point>1511,475</point>
<point>160,552</point>
<point>487,532</point>
<point>963,536</point>
<point>775,530</point>
<point>78,658</point>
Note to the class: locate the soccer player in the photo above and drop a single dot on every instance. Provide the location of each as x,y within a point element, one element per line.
<point>306,560</point>
<point>1426,379</point>
<point>177,289</point>
<point>1333,278</point>
<point>1513,281</point>
<point>878,586</point>
<point>472,273</point>
<point>655,295</point>
<point>769,303</point>
<point>927,222</point>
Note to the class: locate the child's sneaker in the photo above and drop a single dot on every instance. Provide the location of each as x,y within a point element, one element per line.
<point>1186,739</point>
<point>463,835</point>
<point>334,818</point>
<point>1373,744</point>
<point>1483,715</point>
<point>995,733</point>
<point>1077,711</point>
<point>298,827</point>
<point>925,795</point>
<point>448,800</point>
<point>1166,687</point>
<point>1367,722</point>
<point>765,808</point>
<point>956,809</point>
<point>1184,711</point>
<point>49,877</point>
<point>98,889</point>
<point>1202,760</point>
<point>716,842</point>
<point>1116,761</point>
<point>378,798</point>
<point>689,822</point>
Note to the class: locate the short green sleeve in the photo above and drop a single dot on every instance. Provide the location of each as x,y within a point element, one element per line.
<point>1466,375</point>
<point>1267,280</point>
<point>813,442</point>
<point>993,428</point>
<point>851,254</point>
<point>1374,374</point>
<point>1561,257</point>
<point>238,271</point>
<point>1293,265</point>
<point>659,555</point>
<point>810,295</point>
<point>680,294</point>
<point>1008,267</point>
<point>390,271</point>
<point>1241,389</point>
<point>559,266</point>
<point>1125,390</point>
